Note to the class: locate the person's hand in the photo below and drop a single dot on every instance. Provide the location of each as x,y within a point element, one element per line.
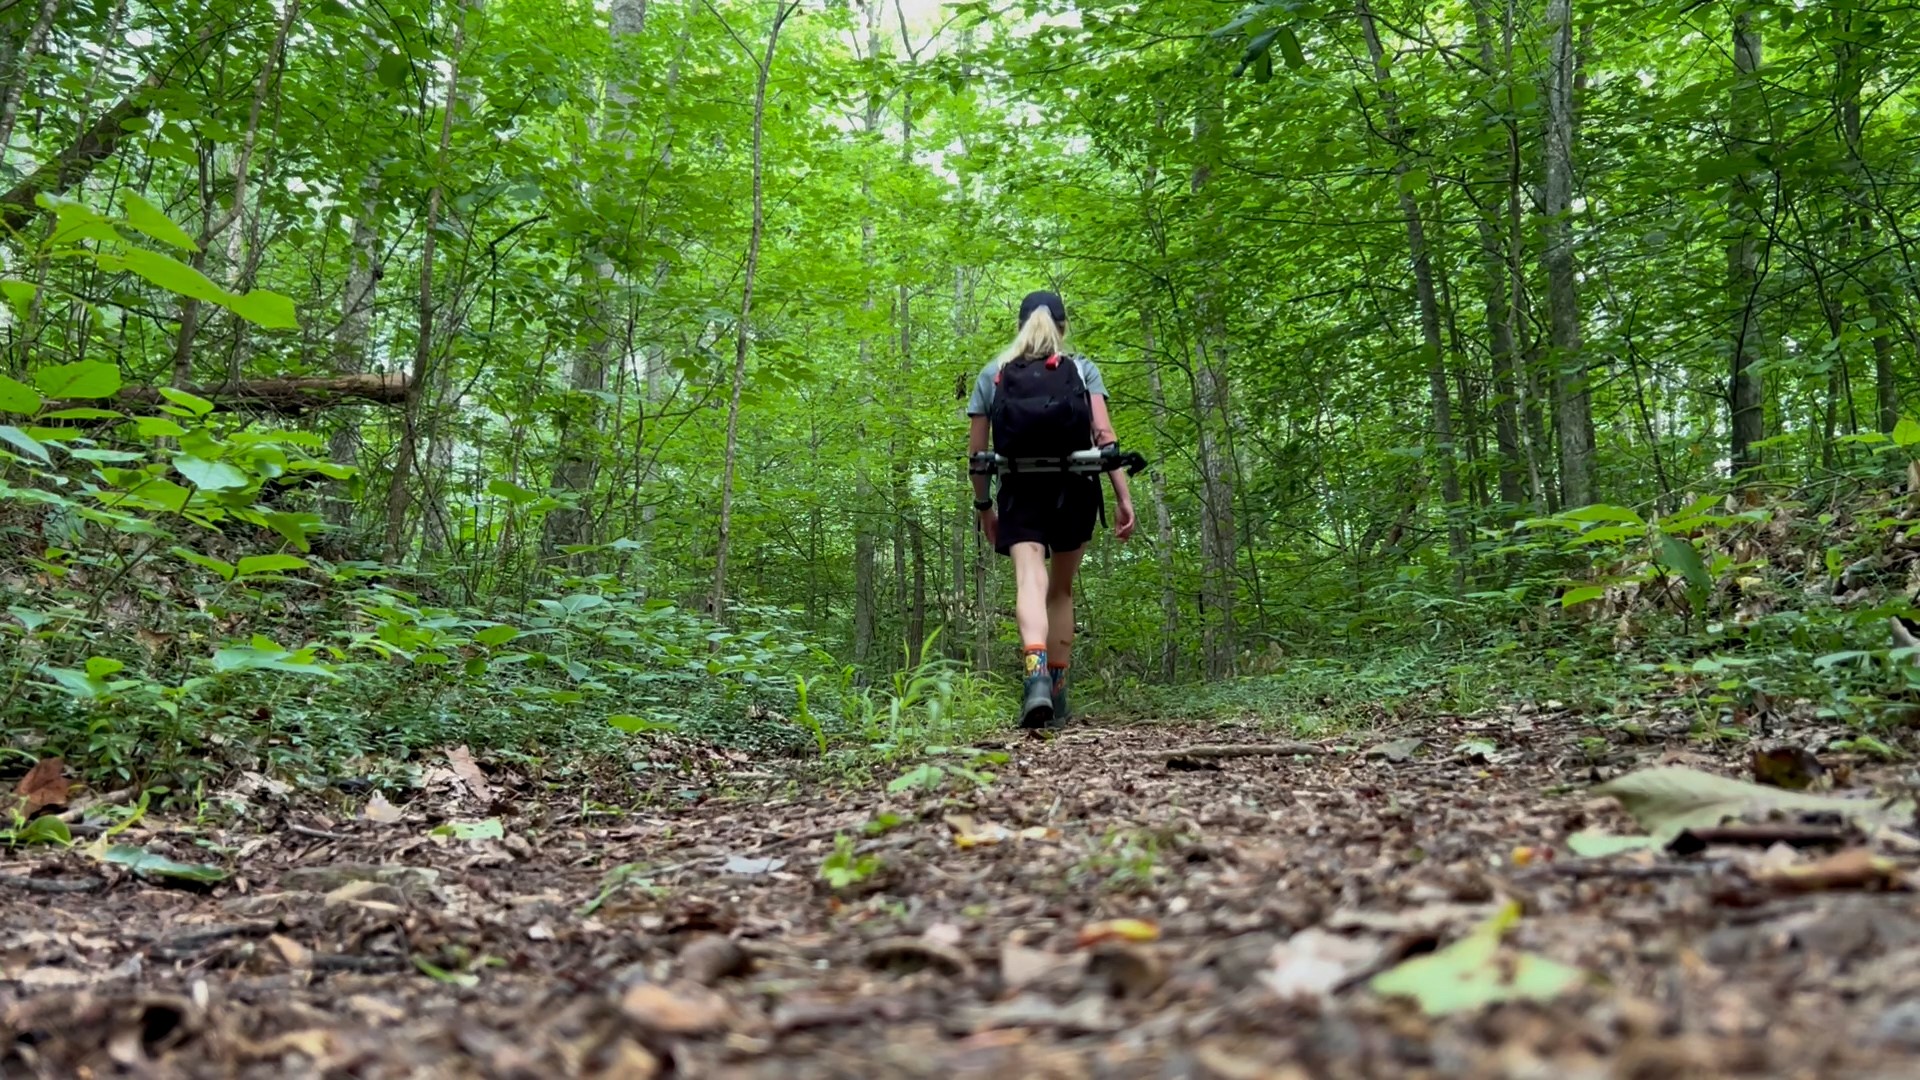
<point>990,524</point>
<point>1123,519</point>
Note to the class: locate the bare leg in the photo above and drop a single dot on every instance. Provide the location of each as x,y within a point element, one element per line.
<point>1060,606</point>
<point>1031,594</point>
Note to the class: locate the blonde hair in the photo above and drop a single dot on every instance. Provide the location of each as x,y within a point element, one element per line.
<point>1038,336</point>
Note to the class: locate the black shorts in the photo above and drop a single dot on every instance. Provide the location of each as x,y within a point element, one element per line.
<point>1057,512</point>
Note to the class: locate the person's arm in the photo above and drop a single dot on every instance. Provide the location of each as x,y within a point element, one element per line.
<point>977,442</point>
<point>1103,437</point>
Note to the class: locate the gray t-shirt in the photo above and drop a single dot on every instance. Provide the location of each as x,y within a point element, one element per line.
<point>983,387</point>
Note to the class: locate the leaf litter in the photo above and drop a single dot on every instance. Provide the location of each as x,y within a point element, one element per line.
<point>1110,913</point>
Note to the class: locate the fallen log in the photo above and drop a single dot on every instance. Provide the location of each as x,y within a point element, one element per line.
<point>272,395</point>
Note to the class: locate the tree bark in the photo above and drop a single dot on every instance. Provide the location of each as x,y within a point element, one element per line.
<point>866,599</point>
<point>1743,249</point>
<point>212,228</point>
<point>1426,296</point>
<point>1848,78</point>
<point>399,495</point>
<point>742,335</point>
<point>16,86</point>
<point>1501,299</point>
<point>1573,409</point>
<point>1212,413</point>
<point>290,397</point>
<point>577,468</point>
<point>1163,517</point>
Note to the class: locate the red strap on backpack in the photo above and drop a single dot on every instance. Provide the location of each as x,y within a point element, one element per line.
<point>1053,361</point>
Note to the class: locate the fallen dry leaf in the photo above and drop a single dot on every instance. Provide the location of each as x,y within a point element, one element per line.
<point>380,810</point>
<point>1313,963</point>
<point>470,775</point>
<point>682,1009</point>
<point>294,953</point>
<point>44,785</point>
<point>1855,868</point>
<point>1118,930</point>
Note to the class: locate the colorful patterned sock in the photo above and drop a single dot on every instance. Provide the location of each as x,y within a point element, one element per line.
<point>1036,660</point>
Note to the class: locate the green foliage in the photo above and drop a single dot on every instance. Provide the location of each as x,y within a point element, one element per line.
<point>844,867</point>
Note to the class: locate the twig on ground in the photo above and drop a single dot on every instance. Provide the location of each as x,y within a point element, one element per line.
<point>53,885</point>
<point>1206,752</point>
<point>317,834</point>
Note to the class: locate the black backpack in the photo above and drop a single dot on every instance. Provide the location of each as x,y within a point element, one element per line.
<point>1041,408</point>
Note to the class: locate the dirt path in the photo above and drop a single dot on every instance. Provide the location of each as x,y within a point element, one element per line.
<point>952,960</point>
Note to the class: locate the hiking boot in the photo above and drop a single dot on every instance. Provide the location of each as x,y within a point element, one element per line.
<point>1036,708</point>
<point>1059,694</point>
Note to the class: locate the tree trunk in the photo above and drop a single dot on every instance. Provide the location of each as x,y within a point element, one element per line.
<point>742,335</point>
<point>212,228</point>
<point>356,327</point>
<point>399,495</point>
<point>577,467</point>
<point>1427,297</point>
<point>1743,249</point>
<point>1573,409</point>
<point>1163,517</point>
<point>1501,299</point>
<point>16,86</point>
<point>866,600</point>
<point>1848,78</point>
<point>1211,409</point>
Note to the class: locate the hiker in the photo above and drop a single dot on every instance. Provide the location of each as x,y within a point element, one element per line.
<point>1039,403</point>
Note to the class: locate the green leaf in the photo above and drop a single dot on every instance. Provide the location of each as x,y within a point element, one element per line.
<point>209,475</point>
<point>490,829</point>
<point>265,309</point>
<point>293,526</point>
<point>157,427</point>
<point>634,725</point>
<point>144,217</point>
<point>269,564</point>
<point>439,974</point>
<point>1604,512</point>
<point>496,635</point>
<point>1598,845</point>
<point>107,457</point>
<point>1471,974</point>
<point>1668,799</point>
<point>25,443</point>
<point>256,658</point>
<point>1581,595</point>
<point>83,413</point>
<point>1290,48</point>
<point>219,566</point>
<point>1906,432</point>
<point>102,667</point>
<point>17,397</point>
<point>511,492</point>
<point>1683,558</point>
<point>84,379</point>
<point>41,830</point>
<point>193,403</point>
<point>146,864</point>
<point>167,272</point>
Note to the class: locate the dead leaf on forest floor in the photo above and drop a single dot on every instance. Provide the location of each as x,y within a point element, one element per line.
<point>1855,868</point>
<point>1668,799</point>
<point>470,775</point>
<point>379,810</point>
<point>45,785</point>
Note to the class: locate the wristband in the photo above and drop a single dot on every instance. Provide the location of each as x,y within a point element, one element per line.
<point>983,505</point>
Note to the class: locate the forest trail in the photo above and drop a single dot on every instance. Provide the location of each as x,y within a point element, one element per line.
<point>968,950</point>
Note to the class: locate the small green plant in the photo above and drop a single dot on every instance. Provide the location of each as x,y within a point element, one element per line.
<point>844,867</point>
<point>962,763</point>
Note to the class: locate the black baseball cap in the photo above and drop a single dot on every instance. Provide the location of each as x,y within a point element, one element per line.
<point>1043,299</point>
